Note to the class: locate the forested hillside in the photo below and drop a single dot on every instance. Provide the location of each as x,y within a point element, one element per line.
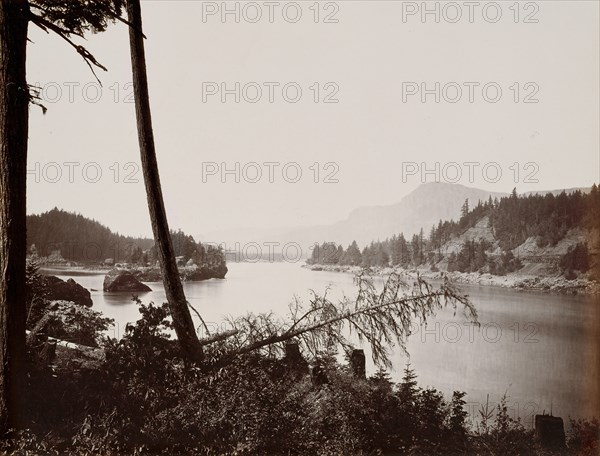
<point>496,236</point>
<point>82,240</point>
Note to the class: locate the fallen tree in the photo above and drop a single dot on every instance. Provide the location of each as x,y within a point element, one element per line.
<point>379,319</point>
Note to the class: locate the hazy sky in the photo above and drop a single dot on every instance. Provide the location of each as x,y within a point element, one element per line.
<point>369,61</point>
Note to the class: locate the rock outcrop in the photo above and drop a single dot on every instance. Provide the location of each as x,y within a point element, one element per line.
<point>121,280</point>
<point>59,290</point>
<point>204,273</point>
<point>151,274</point>
<point>188,274</point>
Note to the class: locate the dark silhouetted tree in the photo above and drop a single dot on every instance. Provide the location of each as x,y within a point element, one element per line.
<point>178,306</point>
<point>65,18</point>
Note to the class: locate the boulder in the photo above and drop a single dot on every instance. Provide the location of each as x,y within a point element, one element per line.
<point>59,290</point>
<point>121,280</point>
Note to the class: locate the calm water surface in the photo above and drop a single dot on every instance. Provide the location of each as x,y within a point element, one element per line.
<point>541,349</point>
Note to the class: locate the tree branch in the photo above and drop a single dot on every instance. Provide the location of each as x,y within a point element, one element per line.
<point>287,335</point>
<point>117,17</point>
<point>89,59</point>
<point>200,317</point>
<point>377,319</point>
<point>219,337</point>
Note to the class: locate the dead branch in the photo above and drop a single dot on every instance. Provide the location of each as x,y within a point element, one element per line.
<point>219,337</point>
<point>200,317</point>
<point>379,319</point>
<point>89,59</point>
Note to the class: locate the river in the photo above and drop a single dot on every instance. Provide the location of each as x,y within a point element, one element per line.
<point>541,349</point>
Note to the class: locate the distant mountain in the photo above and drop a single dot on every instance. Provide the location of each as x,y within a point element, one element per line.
<point>424,207</point>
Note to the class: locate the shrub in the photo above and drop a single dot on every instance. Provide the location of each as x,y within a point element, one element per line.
<point>583,437</point>
<point>503,436</point>
<point>144,398</point>
<point>506,264</point>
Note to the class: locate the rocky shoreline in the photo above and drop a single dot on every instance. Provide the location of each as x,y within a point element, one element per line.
<point>514,281</point>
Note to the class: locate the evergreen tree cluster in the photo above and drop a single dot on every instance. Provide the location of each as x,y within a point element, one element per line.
<point>391,252</point>
<point>549,217</point>
<point>576,259</point>
<point>78,238</point>
<point>472,257</point>
<point>82,240</point>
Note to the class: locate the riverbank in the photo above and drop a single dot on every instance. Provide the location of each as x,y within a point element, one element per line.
<point>514,281</point>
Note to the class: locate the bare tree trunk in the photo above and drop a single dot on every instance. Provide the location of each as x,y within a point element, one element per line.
<point>14,117</point>
<point>182,320</point>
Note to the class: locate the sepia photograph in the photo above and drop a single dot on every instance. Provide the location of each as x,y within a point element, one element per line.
<point>311,227</point>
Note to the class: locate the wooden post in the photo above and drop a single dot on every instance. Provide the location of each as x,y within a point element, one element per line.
<point>550,431</point>
<point>358,364</point>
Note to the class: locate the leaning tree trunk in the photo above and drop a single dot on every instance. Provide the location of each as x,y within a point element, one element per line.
<point>182,320</point>
<point>14,116</point>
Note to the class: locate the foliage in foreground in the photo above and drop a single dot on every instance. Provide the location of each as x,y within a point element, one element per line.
<point>144,399</point>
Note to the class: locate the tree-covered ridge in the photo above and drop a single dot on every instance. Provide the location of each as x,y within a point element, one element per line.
<point>512,220</point>
<point>83,240</point>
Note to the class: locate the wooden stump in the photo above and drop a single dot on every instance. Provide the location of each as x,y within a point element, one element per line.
<point>358,364</point>
<point>550,431</point>
<point>294,361</point>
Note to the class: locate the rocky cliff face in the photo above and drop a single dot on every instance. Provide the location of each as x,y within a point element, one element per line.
<point>480,231</point>
<point>537,260</point>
